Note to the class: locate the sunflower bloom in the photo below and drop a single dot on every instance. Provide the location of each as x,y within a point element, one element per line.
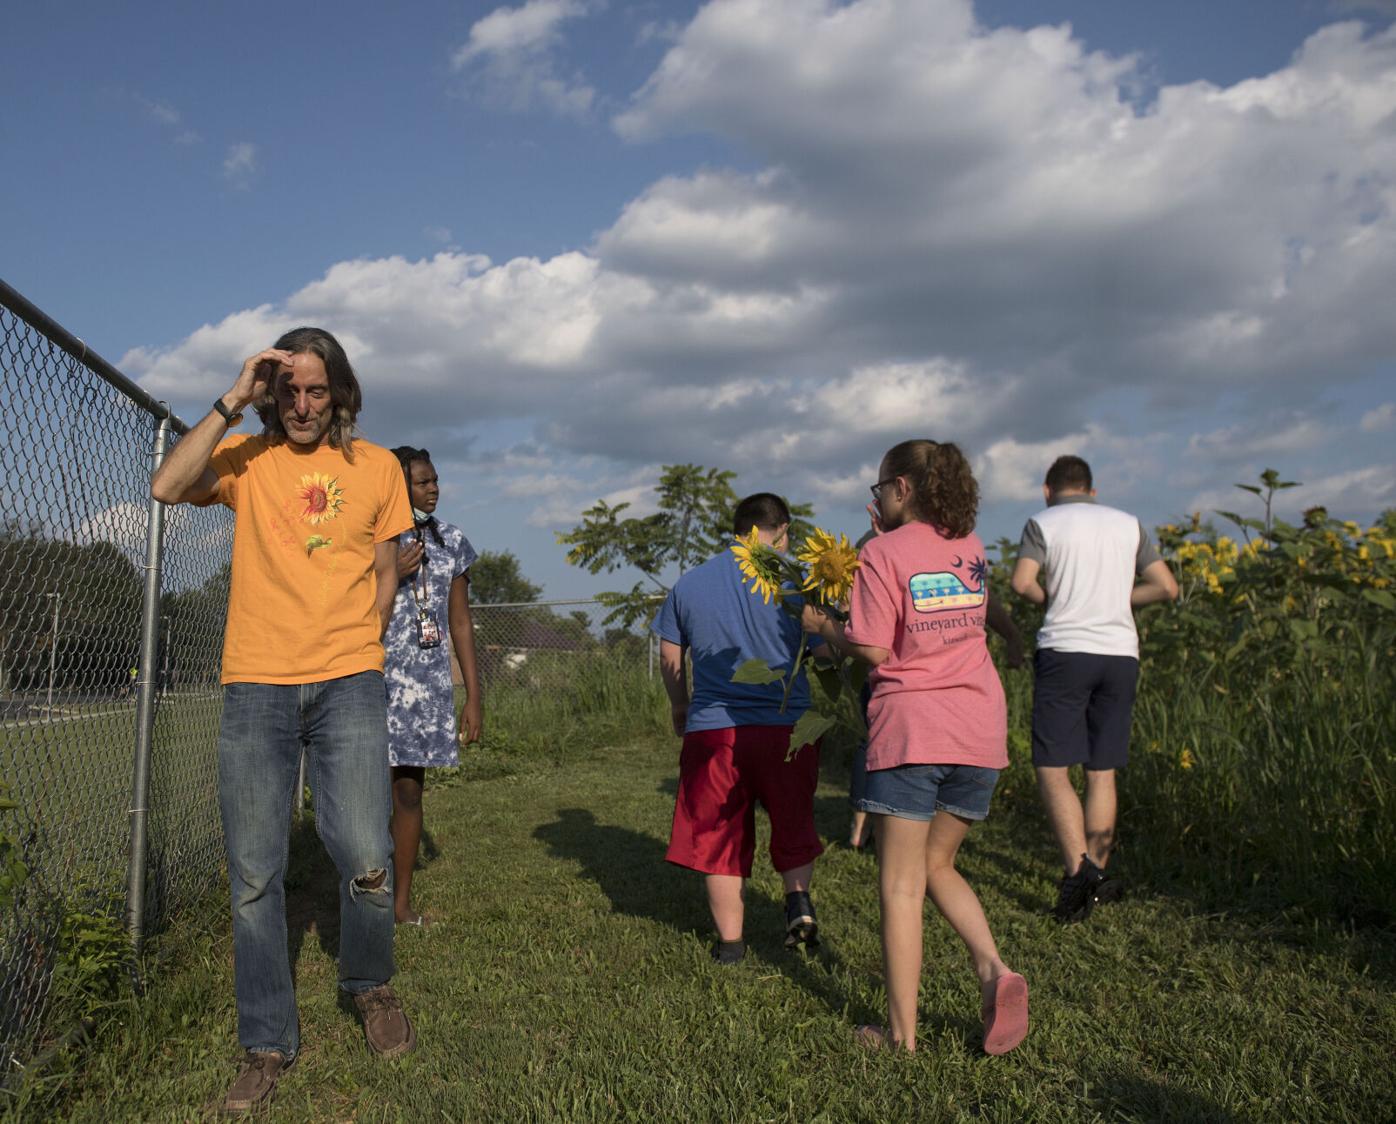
<point>830,563</point>
<point>760,566</point>
<point>321,497</point>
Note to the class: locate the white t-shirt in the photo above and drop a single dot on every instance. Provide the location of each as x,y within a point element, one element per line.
<point>1090,555</point>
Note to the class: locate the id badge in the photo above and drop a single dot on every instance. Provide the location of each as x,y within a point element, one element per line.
<point>428,633</point>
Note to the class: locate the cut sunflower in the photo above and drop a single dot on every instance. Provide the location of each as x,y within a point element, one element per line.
<point>830,563</point>
<point>760,566</point>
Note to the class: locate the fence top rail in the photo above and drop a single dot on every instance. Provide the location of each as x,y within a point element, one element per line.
<point>47,326</point>
<point>542,604</point>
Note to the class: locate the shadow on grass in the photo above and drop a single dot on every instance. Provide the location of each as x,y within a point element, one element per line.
<point>630,869</point>
<point>1117,1095</point>
<point>312,894</point>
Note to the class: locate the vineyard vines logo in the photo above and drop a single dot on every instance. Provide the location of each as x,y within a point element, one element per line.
<point>940,590</point>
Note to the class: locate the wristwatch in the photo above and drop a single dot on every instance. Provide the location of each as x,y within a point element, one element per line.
<point>231,419</point>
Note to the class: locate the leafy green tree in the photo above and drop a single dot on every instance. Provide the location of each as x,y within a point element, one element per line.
<point>99,591</point>
<point>496,579</point>
<point>694,522</point>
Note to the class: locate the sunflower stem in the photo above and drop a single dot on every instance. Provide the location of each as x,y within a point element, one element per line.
<point>794,671</point>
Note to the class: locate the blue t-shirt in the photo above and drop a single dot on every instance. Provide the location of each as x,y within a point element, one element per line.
<point>723,624</point>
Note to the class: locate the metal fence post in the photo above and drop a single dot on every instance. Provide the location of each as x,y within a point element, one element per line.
<point>145,701</point>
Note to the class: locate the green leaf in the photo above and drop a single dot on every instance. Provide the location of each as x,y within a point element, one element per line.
<point>830,680</point>
<point>758,672</point>
<point>1303,630</point>
<point>1380,597</point>
<point>811,726</point>
<point>1248,488</point>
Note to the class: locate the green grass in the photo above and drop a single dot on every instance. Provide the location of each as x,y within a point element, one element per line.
<point>570,980</point>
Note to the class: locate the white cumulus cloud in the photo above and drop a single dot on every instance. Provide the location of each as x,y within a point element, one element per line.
<point>514,52</point>
<point>943,230</point>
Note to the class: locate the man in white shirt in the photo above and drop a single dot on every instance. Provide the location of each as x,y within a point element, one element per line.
<point>1081,559</point>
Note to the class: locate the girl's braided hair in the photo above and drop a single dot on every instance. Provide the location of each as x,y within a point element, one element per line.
<point>407,456</point>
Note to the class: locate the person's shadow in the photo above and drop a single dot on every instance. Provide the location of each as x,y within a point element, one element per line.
<point>629,868</point>
<point>312,890</point>
<point>312,894</point>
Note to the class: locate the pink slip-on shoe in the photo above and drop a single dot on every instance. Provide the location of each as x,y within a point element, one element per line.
<point>1005,1013</point>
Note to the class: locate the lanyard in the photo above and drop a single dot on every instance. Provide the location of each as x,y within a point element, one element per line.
<point>421,594</point>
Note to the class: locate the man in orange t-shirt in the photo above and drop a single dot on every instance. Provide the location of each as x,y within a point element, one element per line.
<point>313,578</point>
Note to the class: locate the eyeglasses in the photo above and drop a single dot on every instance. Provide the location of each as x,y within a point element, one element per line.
<point>876,489</point>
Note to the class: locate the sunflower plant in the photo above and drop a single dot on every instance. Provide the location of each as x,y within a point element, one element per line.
<point>819,573</point>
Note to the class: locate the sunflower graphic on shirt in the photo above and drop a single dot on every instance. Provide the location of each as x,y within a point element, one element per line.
<point>320,496</point>
<point>318,500</point>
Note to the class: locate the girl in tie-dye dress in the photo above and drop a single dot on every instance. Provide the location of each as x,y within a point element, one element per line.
<point>431,611</point>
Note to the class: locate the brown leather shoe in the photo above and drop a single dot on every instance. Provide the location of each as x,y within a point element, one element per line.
<point>387,1028</point>
<point>256,1081</point>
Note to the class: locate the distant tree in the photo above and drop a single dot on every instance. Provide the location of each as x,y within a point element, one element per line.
<point>496,579</point>
<point>98,602</point>
<point>693,523</point>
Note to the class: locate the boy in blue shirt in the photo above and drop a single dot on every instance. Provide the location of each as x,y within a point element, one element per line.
<point>736,738</point>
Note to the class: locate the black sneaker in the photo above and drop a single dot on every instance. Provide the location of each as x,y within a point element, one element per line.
<point>1074,898</point>
<point>728,953</point>
<point>1108,888</point>
<point>801,927</point>
<point>1079,893</point>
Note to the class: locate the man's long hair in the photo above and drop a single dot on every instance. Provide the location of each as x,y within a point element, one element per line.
<point>345,397</point>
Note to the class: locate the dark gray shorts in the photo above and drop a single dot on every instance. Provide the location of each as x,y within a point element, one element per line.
<point>1082,705</point>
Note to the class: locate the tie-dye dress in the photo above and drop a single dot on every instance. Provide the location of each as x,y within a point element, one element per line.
<point>421,697</point>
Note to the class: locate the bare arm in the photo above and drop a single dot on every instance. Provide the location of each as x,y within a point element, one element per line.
<point>463,641</point>
<point>998,618</point>
<point>819,623</point>
<point>184,476</point>
<point>1156,583</point>
<point>671,670</point>
<point>385,570</point>
<point>1024,581</point>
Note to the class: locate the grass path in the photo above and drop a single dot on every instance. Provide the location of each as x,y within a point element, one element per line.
<point>571,981</point>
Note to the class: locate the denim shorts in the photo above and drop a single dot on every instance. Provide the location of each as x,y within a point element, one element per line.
<point>918,792</point>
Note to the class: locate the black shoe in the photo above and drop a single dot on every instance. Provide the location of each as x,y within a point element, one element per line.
<point>728,953</point>
<point>1079,893</point>
<point>801,926</point>
<point>1108,889</point>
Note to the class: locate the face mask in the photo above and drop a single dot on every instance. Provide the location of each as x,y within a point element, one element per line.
<point>420,516</point>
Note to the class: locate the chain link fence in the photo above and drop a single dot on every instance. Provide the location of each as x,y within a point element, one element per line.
<point>112,610</point>
<point>540,643</point>
<point>110,640</point>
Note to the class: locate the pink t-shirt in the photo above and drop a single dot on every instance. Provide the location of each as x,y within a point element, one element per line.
<point>937,699</point>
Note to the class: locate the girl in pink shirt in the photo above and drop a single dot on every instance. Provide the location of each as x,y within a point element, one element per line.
<point>937,723</point>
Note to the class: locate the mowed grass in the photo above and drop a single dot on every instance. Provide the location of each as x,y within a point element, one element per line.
<point>570,980</point>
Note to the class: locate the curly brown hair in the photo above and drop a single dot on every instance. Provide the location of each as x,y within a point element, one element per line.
<point>943,490</point>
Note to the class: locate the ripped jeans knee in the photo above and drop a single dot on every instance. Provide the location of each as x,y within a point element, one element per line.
<point>371,882</point>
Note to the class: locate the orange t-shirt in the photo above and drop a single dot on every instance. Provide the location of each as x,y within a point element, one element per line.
<point>302,604</point>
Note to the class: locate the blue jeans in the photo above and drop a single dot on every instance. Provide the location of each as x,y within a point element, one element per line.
<point>918,792</point>
<point>342,724</point>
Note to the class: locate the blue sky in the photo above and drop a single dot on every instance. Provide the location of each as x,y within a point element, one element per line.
<point>569,241</point>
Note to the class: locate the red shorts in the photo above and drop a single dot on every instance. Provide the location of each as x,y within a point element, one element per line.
<point>722,776</point>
